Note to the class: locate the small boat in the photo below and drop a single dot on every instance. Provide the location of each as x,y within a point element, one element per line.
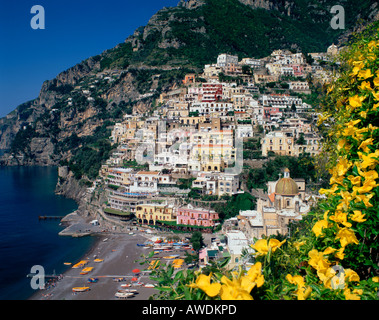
<point>119,294</point>
<point>126,285</point>
<point>67,263</point>
<point>138,284</point>
<point>92,280</point>
<point>80,289</point>
<point>119,279</point>
<point>149,285</point>
<point>80,264</point>
<point>98,260</point>
<point>173,256</point>
<point>135,291</point>
<point>86,270</point>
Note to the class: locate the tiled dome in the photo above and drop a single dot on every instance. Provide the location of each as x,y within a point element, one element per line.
<point>286,186</point>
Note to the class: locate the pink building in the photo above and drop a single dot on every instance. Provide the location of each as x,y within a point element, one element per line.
<point>298,70</point>
<point>191,216</point>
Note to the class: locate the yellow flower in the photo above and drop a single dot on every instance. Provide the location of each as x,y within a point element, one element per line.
<point>376,82</point>
<point>342,166</point>
<point>352,296</point>
<point>358,216</point>
<point>365,198</point>
<point>317,260</point>
<point>365,74</point>
<point>326,275</point>
<point>346,236</point>
<point>328,191</point>
<point>203,282</point>
<point>328,250</point>
<point>364,145</point>
<point>375,279</point>
<point>255,274</point>
<point>235,290</point>
<point>342,144</point>
<point>355,180</point>
<point>302,292</point>
<point>319,225</point>
<point>340,254</point>
<point>358,65</point>
<point>365,85</point>
<point>356,101</point>
<point>341,217</point>
<point>298,244</point>
<point>369,175</point>
<point>368,160</point>
<point>345,201</point>
<point>367,187</point>
<point>375,95</point>
<point>263,246</point>
<point>363,114</point>
<point>322,118</point>
<point>351,275</point>
<point>372,44</point>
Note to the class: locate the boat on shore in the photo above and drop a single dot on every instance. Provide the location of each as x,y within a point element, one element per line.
<point>135,291</point>
<point>80,264</point>
<point>86,270</point>
<point>119,279</point>
<point>80,289</point>
<point>124,294</point>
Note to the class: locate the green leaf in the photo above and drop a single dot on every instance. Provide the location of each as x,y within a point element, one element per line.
<point>178,276</point>
<point>164,288</point>
<point>187,293</point>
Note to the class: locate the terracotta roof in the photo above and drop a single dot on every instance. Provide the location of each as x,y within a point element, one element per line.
<point>148,172</point>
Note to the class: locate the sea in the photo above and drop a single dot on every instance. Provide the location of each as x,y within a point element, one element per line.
<point>25,241</point>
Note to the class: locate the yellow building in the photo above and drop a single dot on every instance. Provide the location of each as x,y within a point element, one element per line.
<point>282,143</point>
<point>150,213</point>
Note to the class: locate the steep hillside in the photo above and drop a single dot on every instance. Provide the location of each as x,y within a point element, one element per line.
<point>73,114</point>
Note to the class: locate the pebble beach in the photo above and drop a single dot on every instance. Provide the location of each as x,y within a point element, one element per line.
<point>119,253</point>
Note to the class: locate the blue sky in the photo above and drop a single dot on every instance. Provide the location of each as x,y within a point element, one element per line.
<point>74,31</point>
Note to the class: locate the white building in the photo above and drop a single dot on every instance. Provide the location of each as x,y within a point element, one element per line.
<point>236,243</point>
<point>224,59</point>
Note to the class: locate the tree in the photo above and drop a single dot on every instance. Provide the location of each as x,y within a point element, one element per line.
<point>197,241</point>
<point>301,140</point>
<point>246,69</point>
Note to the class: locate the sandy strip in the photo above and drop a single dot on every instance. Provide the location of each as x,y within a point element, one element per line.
<point>119,253</point>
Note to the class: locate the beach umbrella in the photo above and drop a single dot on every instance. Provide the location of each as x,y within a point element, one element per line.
<point>136,271</point>
<point>134,279</point>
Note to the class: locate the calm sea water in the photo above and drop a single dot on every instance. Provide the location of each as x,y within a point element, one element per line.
<point>25,194</point>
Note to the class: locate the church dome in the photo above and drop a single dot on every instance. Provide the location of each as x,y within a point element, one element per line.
<point>286,186</point>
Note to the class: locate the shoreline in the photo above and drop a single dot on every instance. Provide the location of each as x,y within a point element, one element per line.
<point>119,253</point>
